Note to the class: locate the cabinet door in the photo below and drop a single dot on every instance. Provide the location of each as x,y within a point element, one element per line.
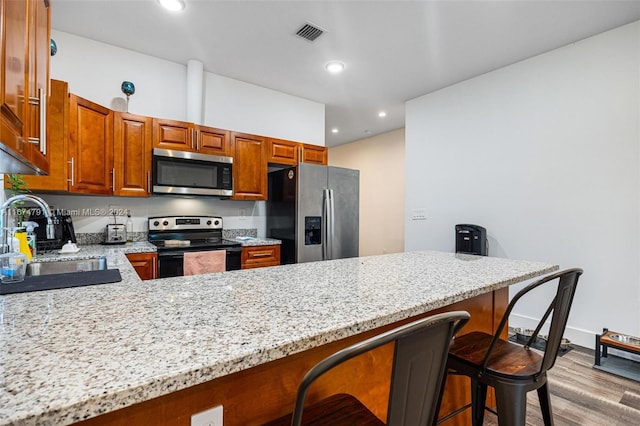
<point>249,167</point>
<point>90,147</point>
<point>210,140</point>
<point>145,264</point>
<point>314,154</point>
<point>172,134</point>
<point>132,154</point>
<point>260,256</point>
<point>39,52</point>
<point>57,137</point>
<point>283,152</point>
<point>13,56</point>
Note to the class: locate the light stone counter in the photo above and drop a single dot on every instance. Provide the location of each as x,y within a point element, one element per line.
<point>76,353</point>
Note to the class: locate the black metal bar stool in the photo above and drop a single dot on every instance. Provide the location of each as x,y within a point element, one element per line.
<point>512,369</point>
<point>419,362</point>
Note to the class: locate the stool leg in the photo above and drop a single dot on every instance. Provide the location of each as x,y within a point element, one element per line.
<point>545,405</point>
<point>512,406</point>
<point>478,402</point>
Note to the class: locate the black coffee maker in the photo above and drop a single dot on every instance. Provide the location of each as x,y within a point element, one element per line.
<point>63,231</point>
<point>471,239</point>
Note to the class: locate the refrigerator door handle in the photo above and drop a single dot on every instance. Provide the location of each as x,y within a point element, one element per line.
<point>325,224</point>
<point>331,223</point>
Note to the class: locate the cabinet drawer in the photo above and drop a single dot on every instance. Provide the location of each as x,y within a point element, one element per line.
<point>259,256</point>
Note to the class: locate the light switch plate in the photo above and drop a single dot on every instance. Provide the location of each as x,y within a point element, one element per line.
<point>210,417</point>
<point>419,214</point>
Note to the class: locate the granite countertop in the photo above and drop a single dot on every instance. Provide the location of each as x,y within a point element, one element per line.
<point>252,241</point>
<point>76,353</point>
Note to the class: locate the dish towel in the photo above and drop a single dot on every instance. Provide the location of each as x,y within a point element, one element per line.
<point>203,262</point>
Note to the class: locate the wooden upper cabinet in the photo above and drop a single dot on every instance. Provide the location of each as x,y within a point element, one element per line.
<point>172,134</point>
<point>314,154</point>
<point>24,71</point>
<point>283,151</point>
<point>249,167</point>
<point>184,136</point>
<point>15,71</point>
<point>90,147</point>
<point>132,154</point>
<point>39,52</point>
<point>57,138</point>
<point>210,140</point>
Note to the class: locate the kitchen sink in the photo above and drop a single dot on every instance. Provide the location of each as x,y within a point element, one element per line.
<point>63,274</point>
<point>66,266</point>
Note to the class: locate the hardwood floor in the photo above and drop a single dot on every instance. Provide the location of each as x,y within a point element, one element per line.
<point>584,396</point>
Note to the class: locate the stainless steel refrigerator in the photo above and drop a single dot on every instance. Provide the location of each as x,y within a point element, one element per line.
<point>314,211</point>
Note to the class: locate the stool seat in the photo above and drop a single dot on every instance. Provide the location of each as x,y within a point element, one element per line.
<point>337,410</point>
<point>507,359</point>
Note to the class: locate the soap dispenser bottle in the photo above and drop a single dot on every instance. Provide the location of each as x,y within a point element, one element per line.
<point>129,228</point>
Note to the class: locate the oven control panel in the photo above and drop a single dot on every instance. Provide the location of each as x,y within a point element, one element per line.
<point>182,223</point>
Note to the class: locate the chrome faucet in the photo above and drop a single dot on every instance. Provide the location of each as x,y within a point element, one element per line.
<point>46,211</point>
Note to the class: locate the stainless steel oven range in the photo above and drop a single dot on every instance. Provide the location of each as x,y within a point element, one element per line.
<point>175,235</point>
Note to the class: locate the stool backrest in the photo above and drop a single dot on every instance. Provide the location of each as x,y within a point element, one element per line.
<point>419,362</point>
<point>560,306</point>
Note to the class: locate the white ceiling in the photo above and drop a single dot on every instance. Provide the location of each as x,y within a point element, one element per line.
<point>393,50</point>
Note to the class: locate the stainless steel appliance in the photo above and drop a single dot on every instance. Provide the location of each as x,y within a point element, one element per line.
<point>175,235</point>
<point>191,173</point>
<point>116,233</point>
<point>313,210</point>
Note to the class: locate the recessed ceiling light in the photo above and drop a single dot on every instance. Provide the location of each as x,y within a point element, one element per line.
<point>382,114</point>
<point>172,5</point>
<point>334,130</point>
<point>334,67</point>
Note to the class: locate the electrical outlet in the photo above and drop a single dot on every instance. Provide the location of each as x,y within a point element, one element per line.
<point>419,214</point>
<point>210,417</point>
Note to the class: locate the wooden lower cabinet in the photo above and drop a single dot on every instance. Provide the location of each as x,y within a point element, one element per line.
<point>260,256</point>
<point>145,264</point>
<point>267,391</point>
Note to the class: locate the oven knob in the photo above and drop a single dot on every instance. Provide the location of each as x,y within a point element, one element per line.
<point>208,222</point>
<point>156,223</point>
<point>165,223</point>
<point>217,222</point>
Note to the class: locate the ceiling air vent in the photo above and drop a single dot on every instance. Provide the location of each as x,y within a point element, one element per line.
<point>309,32</point>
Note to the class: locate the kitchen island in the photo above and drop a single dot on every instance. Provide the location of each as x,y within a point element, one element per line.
<point>156,352</point>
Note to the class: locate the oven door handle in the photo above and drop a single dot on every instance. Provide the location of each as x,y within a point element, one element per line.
<point>171,254</point>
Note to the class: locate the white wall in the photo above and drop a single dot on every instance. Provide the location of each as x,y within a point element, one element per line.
<point>381,193</point>
<point>96,70</point>
<point>545,154</point>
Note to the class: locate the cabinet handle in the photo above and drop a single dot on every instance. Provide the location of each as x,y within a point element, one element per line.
<point>113,179</point>
<point>260,254</point>
<point>191,138</point>
<point>43,121</point>
<point>72,172</point>
<point>148,181</point>
<point>198,141</point>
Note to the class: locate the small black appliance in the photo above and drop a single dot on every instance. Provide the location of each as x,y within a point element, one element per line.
<point>471,239</point>
<point>63,231</point>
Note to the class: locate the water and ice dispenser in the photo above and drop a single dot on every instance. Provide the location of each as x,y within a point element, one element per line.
<point>471,239</point>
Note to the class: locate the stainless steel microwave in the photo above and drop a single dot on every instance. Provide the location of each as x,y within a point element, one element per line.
<point>191,173</point>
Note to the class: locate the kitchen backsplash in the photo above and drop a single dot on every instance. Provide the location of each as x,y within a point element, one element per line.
<point>91,214</point>
<point>86,238</point>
